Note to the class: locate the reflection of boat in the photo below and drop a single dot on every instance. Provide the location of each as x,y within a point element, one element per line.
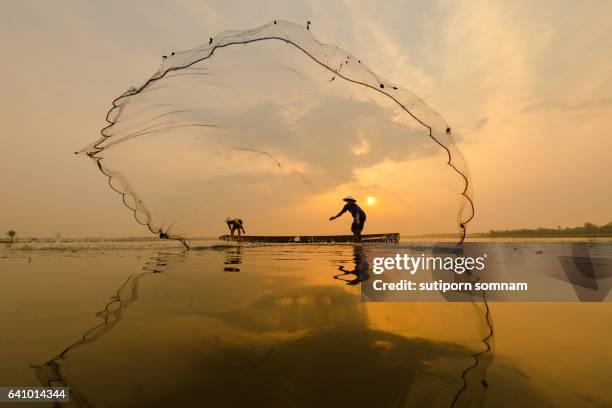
<point>388,237</point>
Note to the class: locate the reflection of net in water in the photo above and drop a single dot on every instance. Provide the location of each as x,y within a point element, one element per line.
<point>274,334</point>
<point>50,373</point>
<point>272,117</point>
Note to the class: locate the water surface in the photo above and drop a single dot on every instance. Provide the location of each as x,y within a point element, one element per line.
<point>137,324</point>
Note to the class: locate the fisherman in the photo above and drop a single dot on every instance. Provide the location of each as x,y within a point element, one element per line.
<point>359,216</point>
<point>235,224</point>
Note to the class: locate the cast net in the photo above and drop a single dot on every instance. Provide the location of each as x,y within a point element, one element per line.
<point>274,127</point>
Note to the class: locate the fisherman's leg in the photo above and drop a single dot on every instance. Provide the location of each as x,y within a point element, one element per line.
<point>358,230</point>
<point>355,231</point>
<point>358,235</point>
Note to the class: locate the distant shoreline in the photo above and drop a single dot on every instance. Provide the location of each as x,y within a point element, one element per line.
<point>91,239</point>
<point>488,235</point>
<point>587,230</point>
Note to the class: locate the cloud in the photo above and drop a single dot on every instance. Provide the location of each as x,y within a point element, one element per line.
<point>565,106</point>
<point>481,123</point>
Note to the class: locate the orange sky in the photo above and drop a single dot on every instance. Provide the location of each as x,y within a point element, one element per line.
<point>526,88</point>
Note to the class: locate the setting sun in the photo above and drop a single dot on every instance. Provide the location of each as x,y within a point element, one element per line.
<point>370,200</point>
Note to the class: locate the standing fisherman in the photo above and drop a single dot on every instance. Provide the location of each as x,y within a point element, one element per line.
<point>235,224</point>
<point>359,216</point>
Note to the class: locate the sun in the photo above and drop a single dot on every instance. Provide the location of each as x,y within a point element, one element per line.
<point>370,200</point>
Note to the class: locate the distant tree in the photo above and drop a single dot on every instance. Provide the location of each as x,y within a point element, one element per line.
<point>11,234</point>
<point>588,229</point>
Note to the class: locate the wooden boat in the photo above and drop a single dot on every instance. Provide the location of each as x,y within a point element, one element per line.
<point>389,237</point>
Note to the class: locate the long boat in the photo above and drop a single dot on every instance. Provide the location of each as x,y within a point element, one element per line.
<point>388,237</point>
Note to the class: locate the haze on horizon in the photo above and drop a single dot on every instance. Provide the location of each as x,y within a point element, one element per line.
<point>527,89</point>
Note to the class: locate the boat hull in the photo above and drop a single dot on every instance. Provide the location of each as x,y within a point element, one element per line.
<point>391,237</point>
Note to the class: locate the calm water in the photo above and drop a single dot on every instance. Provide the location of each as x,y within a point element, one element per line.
<point>142,324</point>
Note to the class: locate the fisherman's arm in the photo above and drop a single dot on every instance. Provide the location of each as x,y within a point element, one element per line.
<point>333,217</point>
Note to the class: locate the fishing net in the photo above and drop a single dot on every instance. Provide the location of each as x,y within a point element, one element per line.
<point>274,127</point>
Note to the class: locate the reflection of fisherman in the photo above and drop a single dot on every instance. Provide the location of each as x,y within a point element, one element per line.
<point>232,257</point>
<point>359,216</point>
<point>235,224</point>
<point>360,270</point>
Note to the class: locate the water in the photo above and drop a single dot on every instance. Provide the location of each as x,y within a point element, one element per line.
<point>137,323</point>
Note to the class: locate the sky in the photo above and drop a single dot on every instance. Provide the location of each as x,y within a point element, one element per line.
<point>526,88</point>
